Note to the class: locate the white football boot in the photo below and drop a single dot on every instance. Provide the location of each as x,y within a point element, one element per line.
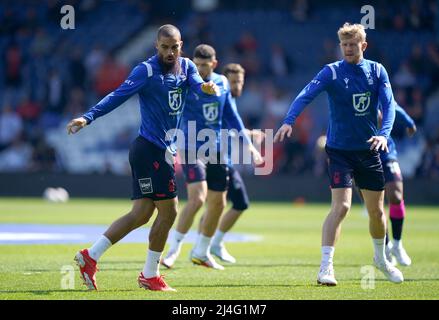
<point>392,273</point>
<point>388,251</point>
<point>221,252</point>
<point>401,255</point>
<point>171,256</point>
<point>326,277</point>
<point>206,261</point>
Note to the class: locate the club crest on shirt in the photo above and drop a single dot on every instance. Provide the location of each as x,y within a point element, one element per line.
<point>175,98</point>
<point>210,111</point>
<point>361,101</point>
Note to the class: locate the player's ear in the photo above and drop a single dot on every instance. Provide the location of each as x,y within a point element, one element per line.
<point>214,63</point>
<point>364,45</point>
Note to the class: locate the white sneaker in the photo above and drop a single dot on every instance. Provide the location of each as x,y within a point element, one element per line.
<point>326,277</point>
<point>388,250</point>
<point>206,261</point>
<point>401,255</point>
<point>170,258</point>
<point>392,273</point>
<point>221,252</point>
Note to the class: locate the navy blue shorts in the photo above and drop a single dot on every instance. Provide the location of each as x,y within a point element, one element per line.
<point>215,174</point>
<point>237,192</point>
<point>392,172</point>
<point>153,176</point>
<point>364,166</point>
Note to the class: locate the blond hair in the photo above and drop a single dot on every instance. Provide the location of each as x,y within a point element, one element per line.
<point>349,31</point>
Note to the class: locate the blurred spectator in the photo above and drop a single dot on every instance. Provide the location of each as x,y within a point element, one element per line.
<point>14,63</point>
<point>94,60</point>
<point>75,104</point>
<point>300,10</point>
<point>295,148</point>
<point>11,126</point>
<point>55,92</point>
<point>404,77</point>
<point>331,52</point>
<point>77,69</point>
<point>429,167</point>
<point>417,60</point>
<point>9,24</point>
<point>41,43</point>
<point>319,156</point>
<point>44,157</point>
<point>29,112</point>
<point>109,76</point>
<point>280,63</point>
<point>17,157</point>
<point>416,109</point>
<point>250,105</point>
<point>433,65</point>
<point>247,43</point>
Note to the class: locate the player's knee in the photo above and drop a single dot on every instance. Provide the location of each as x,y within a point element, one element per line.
<point>377,213</point>
<point>196,202</point>
<point>341,209</point>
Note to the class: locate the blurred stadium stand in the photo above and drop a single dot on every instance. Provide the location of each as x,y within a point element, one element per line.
<point>50,75</point>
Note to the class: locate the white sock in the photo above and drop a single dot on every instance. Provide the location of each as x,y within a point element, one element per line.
<point>327,257</point>
<point>176,241</point>
<point>218,238</point>
<point>151,268</point>
<point>397,243</point>
<point>99,247</point>
<point>379,246</point>
<point>202,247</point>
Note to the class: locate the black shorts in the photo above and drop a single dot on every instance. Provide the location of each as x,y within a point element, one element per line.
<point>364,166</point>
<point>237,192</point>
<point>392,172</point>
<point>215,174</point>
<point>153,176</point>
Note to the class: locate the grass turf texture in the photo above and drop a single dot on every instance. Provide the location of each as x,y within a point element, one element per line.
<point>282,266</point>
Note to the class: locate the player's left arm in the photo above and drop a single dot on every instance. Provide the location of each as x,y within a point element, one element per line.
<point>385,97</point>
<point>197,83</point>
<point>234,121</point>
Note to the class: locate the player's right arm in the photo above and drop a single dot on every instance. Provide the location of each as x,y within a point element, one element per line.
<point>403,118</point>
<point>309,93</point>
<point>135,81</point>
<point>197,83</point>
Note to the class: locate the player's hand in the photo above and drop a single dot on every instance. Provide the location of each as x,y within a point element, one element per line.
<point>378,143</point>
<point>286,129</point>
<point>257,158</point>
<point>411,131</point>
<point>210,88</point>
<point>75,125</point>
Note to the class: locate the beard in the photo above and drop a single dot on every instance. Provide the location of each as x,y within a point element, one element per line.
<point>168,66</point>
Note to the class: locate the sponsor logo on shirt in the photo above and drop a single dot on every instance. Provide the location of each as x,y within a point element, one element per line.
<point>361,102</point>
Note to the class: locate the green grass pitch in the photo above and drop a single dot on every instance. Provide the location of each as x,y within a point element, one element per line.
<point>283,265</point>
